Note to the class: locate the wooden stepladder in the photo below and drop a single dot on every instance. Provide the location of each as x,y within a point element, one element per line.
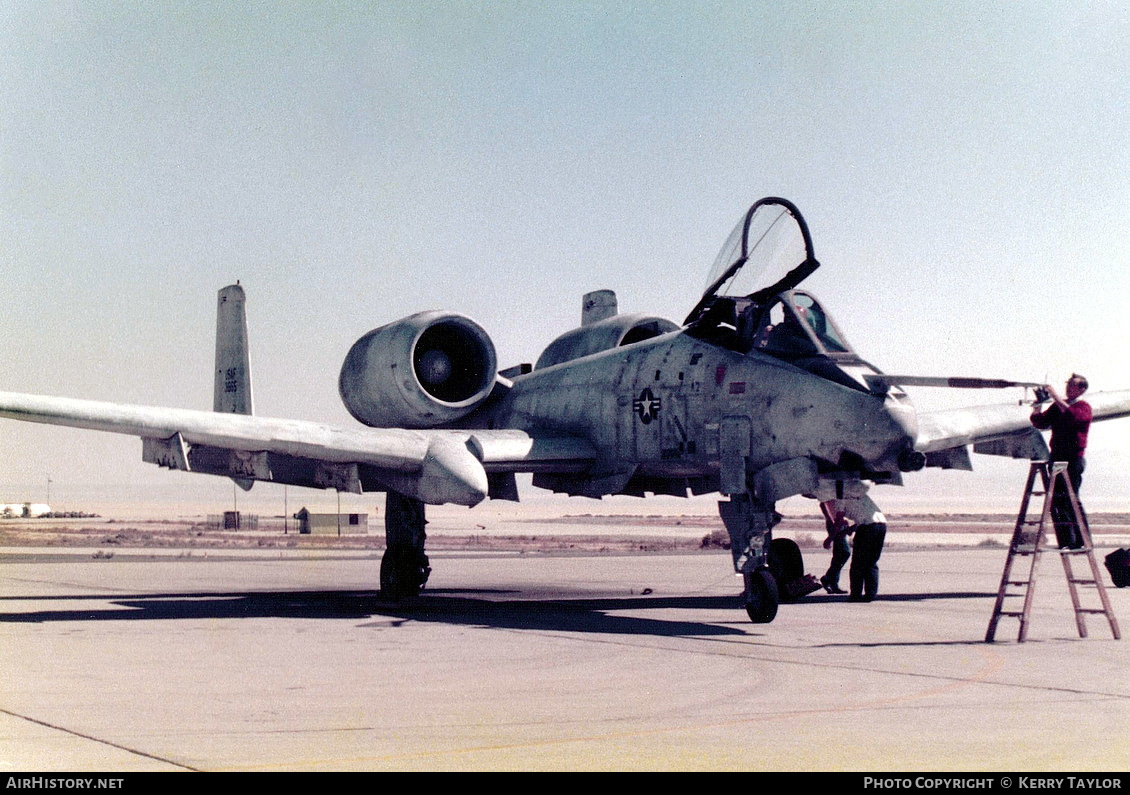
<point>1028,540</point>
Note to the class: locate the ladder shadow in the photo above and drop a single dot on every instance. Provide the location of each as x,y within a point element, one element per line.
<point>906,597</point>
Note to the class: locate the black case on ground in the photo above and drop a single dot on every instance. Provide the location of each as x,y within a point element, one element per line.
<point>1118,564</point>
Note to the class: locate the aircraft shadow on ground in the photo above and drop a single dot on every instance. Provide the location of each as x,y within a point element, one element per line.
<point>601,615</point>
<point>596,615</point>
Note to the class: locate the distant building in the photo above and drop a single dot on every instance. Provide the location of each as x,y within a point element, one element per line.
<point>328,524</point>
<point>24,510</point>
<point>233,520</point>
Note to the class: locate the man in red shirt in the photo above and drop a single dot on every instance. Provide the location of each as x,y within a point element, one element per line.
<point>1069,420</point>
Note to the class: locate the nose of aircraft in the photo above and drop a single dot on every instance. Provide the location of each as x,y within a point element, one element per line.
<point>902,419</point>
<point>885,433</point>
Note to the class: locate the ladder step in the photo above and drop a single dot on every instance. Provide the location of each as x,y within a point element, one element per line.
<point>1029,539</point>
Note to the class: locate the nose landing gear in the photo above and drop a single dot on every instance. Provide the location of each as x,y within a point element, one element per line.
<point>750,521</point>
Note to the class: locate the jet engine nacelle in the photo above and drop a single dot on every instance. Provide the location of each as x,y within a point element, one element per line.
<point>425,370</point>
<point>603,335</point>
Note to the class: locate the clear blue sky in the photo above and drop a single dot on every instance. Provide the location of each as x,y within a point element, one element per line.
<point>963,167</point>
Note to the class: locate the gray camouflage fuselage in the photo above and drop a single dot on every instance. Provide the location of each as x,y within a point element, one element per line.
<point>659,412</point>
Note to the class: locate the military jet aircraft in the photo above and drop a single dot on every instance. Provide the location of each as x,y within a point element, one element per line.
<point>757,395</point>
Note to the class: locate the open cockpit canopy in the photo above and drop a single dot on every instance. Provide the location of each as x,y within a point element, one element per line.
<point>750,302</point>
<point>768,252</point>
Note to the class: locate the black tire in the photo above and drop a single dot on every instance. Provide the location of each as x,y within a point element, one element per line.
<point>785,560</point>
<point>761,598</point>
<point>786,564</point>
<point>403,572</point>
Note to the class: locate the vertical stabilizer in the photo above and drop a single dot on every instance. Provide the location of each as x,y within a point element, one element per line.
<point>233,365</point>
<point>597,305</point>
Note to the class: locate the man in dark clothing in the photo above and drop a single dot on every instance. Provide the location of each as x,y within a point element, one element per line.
<point>870,527</point>
<point>1069,420</point>
<point>838,529</point>
<point>864,572</point>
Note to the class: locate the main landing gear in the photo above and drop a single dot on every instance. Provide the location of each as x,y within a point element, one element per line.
<point>404,566</point>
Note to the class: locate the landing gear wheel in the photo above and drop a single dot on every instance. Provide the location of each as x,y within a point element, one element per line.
<point>404,571</point>
<point>761,597</point>
<point>786,564</point>
<point>785,560</point>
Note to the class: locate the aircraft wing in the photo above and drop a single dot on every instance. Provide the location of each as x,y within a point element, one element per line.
<point>1002,429</point>
<point>435,466</point>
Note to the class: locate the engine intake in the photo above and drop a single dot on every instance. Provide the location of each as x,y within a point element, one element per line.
<point>426,370</point>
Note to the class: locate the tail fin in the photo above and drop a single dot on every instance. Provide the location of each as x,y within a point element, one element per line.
<point>232,393</point>
<point>233,365</point>
<point>597,305</point>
